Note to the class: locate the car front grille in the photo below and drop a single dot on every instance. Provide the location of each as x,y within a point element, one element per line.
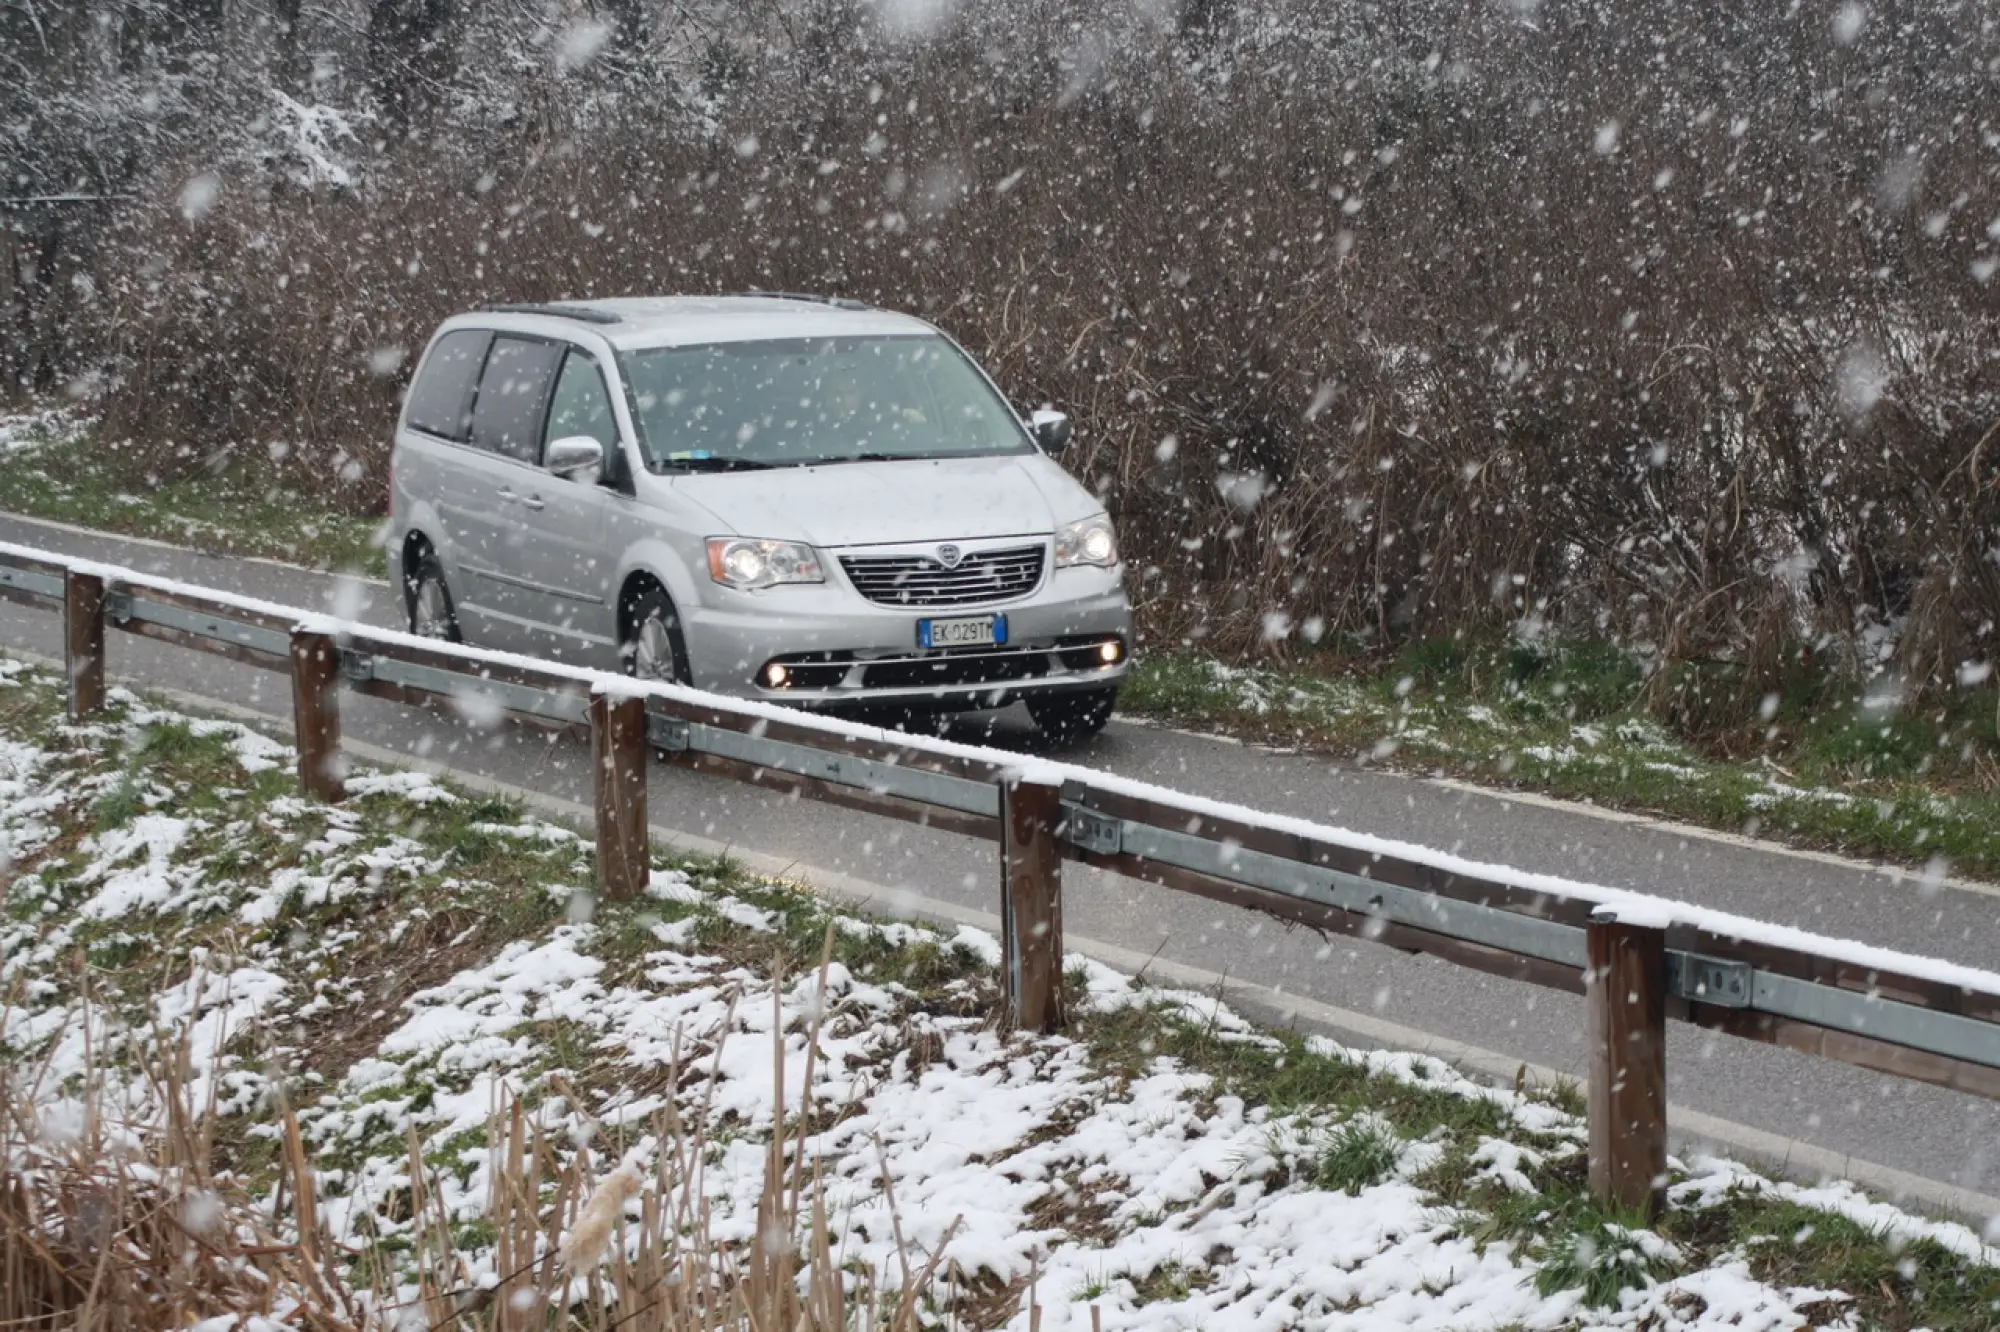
<point>919,580</point>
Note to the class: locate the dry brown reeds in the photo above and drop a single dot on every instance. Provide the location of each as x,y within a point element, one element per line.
<point>109,1227</point>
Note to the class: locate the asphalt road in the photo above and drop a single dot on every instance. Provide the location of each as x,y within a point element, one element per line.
<point>1939,1135</point>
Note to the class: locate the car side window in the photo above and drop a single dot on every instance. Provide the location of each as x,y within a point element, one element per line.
<point>582,405</point>
<point>513,396</point>
<point>441,398</point>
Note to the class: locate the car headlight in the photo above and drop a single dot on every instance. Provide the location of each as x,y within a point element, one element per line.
<point>747,563</point>
<point>1089,542</point>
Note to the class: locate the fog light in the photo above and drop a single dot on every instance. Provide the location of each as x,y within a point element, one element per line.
<point>776,676</point>
<point>1111,653</point>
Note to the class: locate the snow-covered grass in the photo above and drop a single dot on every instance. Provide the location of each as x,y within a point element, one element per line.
<point>423,977</point>
<point>1921,790</point>
<point>57,465</point>
<point>25,433</point>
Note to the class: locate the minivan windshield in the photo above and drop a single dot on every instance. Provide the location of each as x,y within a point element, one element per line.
<point>798,401</point>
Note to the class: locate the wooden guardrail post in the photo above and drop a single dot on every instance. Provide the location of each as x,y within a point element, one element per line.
<point>316,714</point>
<point>618,752</point>
<point>1031,903</point>
<point>83,642</point>
<point>1625,995</point>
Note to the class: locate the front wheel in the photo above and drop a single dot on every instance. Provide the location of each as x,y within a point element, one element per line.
<point>432,614</point>
<point>1068,718</point>
<point>652,647</point>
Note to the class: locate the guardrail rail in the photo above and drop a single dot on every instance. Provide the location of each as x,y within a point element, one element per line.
<point>1638,961</point>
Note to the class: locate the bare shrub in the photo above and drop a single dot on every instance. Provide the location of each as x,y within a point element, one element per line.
<point>110,1222</point>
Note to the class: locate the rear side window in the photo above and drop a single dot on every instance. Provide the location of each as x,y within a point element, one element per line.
<point>441,398</point>
<point>581,405</point>
<point>513,397</point>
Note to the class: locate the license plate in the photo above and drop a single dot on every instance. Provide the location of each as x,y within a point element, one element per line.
<point>973,631</point>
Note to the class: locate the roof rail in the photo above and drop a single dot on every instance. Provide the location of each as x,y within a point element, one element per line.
<point>582,313</point>
<point>838,302</point>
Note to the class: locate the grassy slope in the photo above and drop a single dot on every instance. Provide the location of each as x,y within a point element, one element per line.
<point>1918,790</point>
<point>455,881</point>
<point>61,471</point>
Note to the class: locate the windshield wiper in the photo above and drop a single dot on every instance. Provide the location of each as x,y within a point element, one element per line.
<point>710,462</point>
<point>863,457</point>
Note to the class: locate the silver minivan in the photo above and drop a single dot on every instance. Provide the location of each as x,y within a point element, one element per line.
<point>780,497</point>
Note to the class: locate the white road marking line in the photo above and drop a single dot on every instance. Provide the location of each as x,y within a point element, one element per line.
<point>1687,1127</point>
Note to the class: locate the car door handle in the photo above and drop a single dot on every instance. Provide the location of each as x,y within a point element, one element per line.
<point>535,502</point>
<point>507,494</point>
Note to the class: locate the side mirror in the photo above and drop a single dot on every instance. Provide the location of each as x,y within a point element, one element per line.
<point>1051,430</point>
<point>573,455</point>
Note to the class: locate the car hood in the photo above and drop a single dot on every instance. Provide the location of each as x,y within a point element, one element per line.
<point>875,503</point>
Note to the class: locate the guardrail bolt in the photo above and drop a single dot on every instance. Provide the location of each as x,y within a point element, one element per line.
<point>316,715</point>
<point>83,642</point>
<point>1625,998</point>
<point>618,754</point>
<point>1031,904</point>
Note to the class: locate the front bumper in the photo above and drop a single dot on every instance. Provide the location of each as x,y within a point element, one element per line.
<point>842,650</point>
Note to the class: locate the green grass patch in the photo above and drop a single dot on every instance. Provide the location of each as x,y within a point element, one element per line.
<point>1286,1074</point>
<point>1168,1281</point>
<point>1603,1258</point>
<point>121,804</point>
<point>1357,1155</point>
<point>85,480</point>
<point>1895,1284</point>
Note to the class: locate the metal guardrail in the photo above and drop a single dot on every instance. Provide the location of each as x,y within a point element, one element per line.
<point>1635,962</point>
<point>1694,977</point>
<point>360,669</point>
<point>1468,922</point>
<point>674,735</point>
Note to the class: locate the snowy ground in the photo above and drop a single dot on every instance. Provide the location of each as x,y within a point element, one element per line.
<point>403,965</point>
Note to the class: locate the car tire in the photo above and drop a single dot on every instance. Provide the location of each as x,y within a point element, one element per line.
<point>1068,718</point>
<point>652,647</point>
<point>427,600</point>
